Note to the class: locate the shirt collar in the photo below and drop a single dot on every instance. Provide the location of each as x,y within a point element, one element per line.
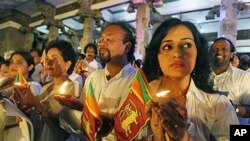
<point>124,69</point>
<point>228,70</point>
<point>193,90</point>
<point>91,61</point>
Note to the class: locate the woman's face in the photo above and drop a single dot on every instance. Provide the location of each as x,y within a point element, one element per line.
<point>5,72</point>
<point>55,65</point>
<point>177,53</point>
<point>18,63</point>
<point>235,62</point>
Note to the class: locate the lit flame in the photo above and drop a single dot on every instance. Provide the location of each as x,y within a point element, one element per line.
<point>62,89</point>
<point>86,69</point>
<point>162,93</point>
<point>18,83</point>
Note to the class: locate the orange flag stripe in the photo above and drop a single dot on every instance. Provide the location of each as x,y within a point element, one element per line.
<point>91,102</point>
<point>140,87</point>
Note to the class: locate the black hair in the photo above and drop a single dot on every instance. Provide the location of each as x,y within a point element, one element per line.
<point>232,47</point>
<point>81,55</point>
<point>66,50</point>
<point>1,60</point>
<point>129,37</point>
<point>90,45</point>
<point>202,68</point>
<point>39,52</point>
<point>6,62</point>
<point>27,57</point>
<point>244,62</point>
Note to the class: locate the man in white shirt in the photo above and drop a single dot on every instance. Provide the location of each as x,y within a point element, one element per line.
<point>111,85</point>
<point>229,79</point>
<point>90,51</point>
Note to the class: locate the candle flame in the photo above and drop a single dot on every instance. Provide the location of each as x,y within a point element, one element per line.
<point>86,69</point>
<point>162,93</point>
<point>62,89</point>
<point>18,83</point>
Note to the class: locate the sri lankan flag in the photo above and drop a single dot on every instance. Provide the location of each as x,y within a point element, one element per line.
<point>91,120</point>
<point>131,117</point>
<point>20,79</point>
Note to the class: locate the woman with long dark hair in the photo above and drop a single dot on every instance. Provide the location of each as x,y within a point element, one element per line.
<point>177,65</point>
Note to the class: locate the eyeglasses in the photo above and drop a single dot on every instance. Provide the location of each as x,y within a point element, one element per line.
<point>106,39</point>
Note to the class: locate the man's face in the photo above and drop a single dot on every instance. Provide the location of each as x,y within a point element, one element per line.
<point>90,53</point>
<point>111,43</point>
<point>220,53</point>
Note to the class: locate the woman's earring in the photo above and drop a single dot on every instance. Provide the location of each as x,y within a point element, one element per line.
<point>193,73</point>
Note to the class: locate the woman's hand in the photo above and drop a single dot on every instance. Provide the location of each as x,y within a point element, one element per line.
<point>155,122</point>
<point>174,120</point>
<point>69,101</point>
<point>24,95</point>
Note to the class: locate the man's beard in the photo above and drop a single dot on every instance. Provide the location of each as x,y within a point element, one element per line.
<point>220,62</point>
<point>105,58</point>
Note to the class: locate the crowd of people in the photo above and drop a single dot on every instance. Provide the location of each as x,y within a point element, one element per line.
<point>203,89</point>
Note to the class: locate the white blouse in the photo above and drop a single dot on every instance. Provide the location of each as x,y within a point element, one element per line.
<point>209,114</point>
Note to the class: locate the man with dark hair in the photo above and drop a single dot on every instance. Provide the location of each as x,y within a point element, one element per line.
<point>110,86</point>
<point>229,79</point>
<point>36,54</point>
<point>90,51</point>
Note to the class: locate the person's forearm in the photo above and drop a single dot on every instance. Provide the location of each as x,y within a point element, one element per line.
<point>243,111</point>
<point>78,105</point>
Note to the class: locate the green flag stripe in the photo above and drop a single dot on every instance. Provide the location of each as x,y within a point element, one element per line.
<point>17,79</point>
<point>91,91</point>
<point>145,93</point>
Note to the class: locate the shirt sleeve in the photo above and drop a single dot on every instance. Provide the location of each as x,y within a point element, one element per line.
<point>225,116</point>
<point>244,89</point>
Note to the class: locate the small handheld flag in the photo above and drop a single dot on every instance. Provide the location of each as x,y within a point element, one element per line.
<point>91,118</point>
<point>20,80</point>
<point>131,117</point>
